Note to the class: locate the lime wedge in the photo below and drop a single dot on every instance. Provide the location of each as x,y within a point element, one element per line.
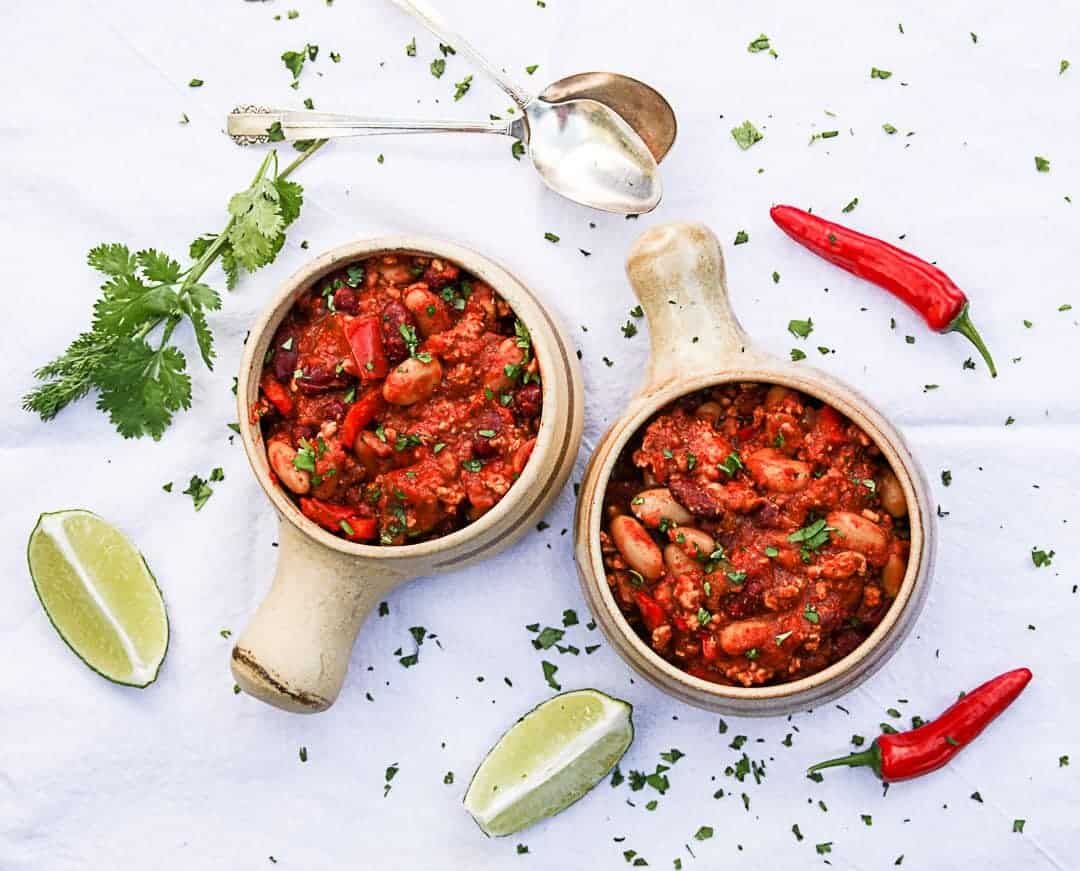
<point>100,595</point>
<point>548,760</point>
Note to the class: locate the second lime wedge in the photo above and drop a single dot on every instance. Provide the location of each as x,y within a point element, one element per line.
<point>100,595</point>
<point>548,760</point>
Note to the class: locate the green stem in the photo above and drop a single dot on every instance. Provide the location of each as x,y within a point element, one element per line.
<point>962,324</point>
<point>198,269</point>
<point>870,757</point>
<point>299,161</point>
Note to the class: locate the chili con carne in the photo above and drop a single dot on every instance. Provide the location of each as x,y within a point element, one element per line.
<point>918,284</point>
<point>400,399</point>
<point>754,535</point>
<point>912,754</point>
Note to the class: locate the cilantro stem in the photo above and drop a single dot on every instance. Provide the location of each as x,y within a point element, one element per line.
<point>198,269</point>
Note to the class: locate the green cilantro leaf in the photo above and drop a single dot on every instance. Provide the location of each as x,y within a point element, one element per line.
<point>746,134</point>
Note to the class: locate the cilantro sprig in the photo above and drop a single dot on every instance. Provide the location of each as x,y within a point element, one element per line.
<point>128,355</point>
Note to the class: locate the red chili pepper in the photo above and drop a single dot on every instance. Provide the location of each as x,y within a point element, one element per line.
<point>364,335</point>
<point>339,518</point>
<point>651,613</point>
<point>920,751</point>
<point>275,391</point>
<point>360,414</point>
<point>919,284</point>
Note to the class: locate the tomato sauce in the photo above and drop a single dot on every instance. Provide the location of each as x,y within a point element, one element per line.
<point>753,534</point>
<point>400,400</point>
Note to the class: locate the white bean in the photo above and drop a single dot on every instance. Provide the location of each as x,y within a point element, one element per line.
<point>653,506</point>
<point>892,576</point>
<point>412,381</point>
<point>854,531</point>
<point>775,472</point>
<point>636,547</point>
<point>280,456</point>
<point>892,495</point>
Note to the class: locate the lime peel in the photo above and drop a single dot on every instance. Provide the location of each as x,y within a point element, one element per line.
<point>548,760</point>
<point>75,581</point>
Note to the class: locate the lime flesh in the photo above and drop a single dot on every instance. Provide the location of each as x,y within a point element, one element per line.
<point>548,760</point>
<point>99,593</point>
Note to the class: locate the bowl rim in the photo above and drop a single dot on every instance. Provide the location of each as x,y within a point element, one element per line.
<point>505,283</point>
<point>824,388</point>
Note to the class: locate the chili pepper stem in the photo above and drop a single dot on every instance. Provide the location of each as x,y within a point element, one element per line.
<point>870,757</point>
<point>962,324</point>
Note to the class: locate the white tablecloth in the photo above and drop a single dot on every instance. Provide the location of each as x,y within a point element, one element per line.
<point>186,774</point>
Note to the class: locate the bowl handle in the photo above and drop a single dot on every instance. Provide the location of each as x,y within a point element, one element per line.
<point>295,651</point>
<point>677,272</point>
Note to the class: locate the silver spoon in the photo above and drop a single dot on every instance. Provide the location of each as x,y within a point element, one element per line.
<point>640,105</point>
<point>589,164</point>
<point>579,147</point>
<point>582,149</point>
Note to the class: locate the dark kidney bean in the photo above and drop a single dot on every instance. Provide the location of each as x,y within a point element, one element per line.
<point>489,422</point>
<point>527,401</point>
<point>284,362</point>
<point>394,315</point>
<point>319,379</point>
<point>440,273</point>
<point>345,300</point>
<point>744,603</point>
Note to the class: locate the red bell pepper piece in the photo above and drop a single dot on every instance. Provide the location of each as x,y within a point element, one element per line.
<point>364,335</point>
<point>651,613</point>
<point>276,393</point>
<point>360,414</point>
<point>831,425</point>
<point>339,518</point>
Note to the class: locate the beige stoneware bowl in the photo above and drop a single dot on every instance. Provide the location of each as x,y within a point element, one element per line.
<point>295,651</point>
<point>677,272</point>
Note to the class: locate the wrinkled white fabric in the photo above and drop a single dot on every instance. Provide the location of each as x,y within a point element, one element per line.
<point>186,774</point>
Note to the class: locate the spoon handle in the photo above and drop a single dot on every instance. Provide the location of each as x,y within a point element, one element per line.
<point>434,22</point>
<point>249,125</point>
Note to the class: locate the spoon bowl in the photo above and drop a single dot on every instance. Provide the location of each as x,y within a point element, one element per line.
<point>640,105</point>
<point>585,151</point>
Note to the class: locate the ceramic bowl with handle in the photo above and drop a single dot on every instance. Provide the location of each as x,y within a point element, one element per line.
<point>677,273</point>
<point>295,651</point>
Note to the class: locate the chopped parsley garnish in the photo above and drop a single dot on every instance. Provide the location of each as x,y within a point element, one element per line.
<point>549,674</point>
<point>801,329</point>
<point>876,73</point>
<point>797,355</point>
<point>782,637</point>
<point>1041,557</point>
<point>462,88</point>
<point>472,465</point>
<point>771,552</point>
<point>742,237</point>
<point>810,614</point>
<point>732,464</point>
<point>850,207</point>
<point>888,128</point>
<point>410,49</point>
<point>1042,164</point>
<point>552,238</point>
<point>438,67</point>
<point>813,536</point>
<point>746,134</point>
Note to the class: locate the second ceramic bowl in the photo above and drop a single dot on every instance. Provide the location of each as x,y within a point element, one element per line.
<point>677,272</point>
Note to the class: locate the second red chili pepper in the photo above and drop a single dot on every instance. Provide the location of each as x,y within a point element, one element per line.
<point>919,284</point>
<point>920,751</point>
